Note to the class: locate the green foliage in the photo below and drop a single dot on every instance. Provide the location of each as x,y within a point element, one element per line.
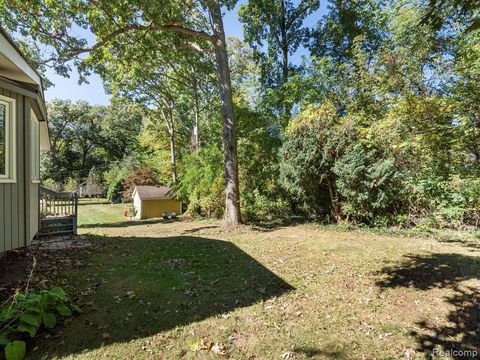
<point>446,203</point>
<point>279,26</point>
<point>70,185</point>
<point>26,313</point>
<point>201,184</point>
<point>314,141</point>
<point>345,23</point>
<point>378,126</point>
<point>262,195</point>
<point>83,137</point>
<point>114,178</point>
<point>369,184</point>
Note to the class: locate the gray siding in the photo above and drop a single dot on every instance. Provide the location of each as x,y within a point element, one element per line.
<point>15,201</point>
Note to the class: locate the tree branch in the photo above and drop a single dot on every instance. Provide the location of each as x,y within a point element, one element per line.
<point>166,28</point>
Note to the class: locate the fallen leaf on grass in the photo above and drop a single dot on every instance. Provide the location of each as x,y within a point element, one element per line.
<point>209,345</point>
<point>204,344</point>
<point>219,349</point>
<point>88,291</point>
<point>287,355</point>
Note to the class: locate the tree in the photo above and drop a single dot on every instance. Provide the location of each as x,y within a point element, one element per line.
<point>140,176</point>
<point>347,22</point>
<point>74,134</point>
<point>121,124</point>
<point>276,26</point>
<point>84,136</point>
<point>170,89</point>
<point>439,12</point>
<point>245,72</point>
<point>155,25</point>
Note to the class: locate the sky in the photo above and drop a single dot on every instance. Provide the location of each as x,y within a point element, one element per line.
<point>93,92</point>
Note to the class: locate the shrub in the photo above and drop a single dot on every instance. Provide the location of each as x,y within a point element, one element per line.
<point>70,185</point>
<point>51,184</point>
<point>202,182</point>
<point>370,185</point>
<point>450,203</point>
<point>315,139</point>
<point>459,202</point>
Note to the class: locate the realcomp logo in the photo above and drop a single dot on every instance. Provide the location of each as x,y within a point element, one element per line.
<point>462,354</point>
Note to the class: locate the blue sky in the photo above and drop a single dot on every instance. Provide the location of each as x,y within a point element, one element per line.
<point>68,88</point>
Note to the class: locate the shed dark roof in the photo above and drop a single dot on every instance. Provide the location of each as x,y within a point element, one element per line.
<point>154,192</point>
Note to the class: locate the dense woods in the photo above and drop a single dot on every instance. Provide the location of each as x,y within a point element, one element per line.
<point>379,124</point>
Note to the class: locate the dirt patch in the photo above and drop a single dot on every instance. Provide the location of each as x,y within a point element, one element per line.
<point>16,267</point>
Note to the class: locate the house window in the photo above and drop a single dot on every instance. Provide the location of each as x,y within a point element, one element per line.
<point>35,148</point>
<point>7,139</point>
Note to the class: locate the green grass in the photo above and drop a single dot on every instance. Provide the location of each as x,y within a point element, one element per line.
<point>92,213</point>
<point>153,289</point>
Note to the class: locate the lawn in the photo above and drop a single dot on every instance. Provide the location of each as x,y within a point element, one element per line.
<point>194,290</point>
<point>97,212</point>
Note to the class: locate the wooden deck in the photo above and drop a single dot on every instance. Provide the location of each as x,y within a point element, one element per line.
<point>58,213</point>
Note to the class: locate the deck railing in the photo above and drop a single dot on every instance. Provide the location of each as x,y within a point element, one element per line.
<point>61,205</point>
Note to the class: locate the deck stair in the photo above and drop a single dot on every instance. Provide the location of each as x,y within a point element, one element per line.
<point>58,213</point>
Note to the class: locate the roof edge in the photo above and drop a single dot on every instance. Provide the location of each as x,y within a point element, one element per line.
<point>14,45</point>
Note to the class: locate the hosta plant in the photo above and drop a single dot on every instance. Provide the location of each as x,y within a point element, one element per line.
<point>25,313</point>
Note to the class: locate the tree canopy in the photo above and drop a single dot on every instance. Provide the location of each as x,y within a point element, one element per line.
<point>378,124</point>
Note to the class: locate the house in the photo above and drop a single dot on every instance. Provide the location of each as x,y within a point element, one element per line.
<point>23,134</point>
<point>154,201</point>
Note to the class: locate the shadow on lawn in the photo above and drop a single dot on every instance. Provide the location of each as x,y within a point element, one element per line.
<point>127,223</point>
<point>461,329</point>
<point>149,285</point>
<point>471,244</point>
<point>278,224</point>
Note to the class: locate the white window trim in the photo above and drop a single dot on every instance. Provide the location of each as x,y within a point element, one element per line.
<point>35,150</point>
<point>10,141</point>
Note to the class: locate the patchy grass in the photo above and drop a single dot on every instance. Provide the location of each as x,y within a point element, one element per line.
<point>155,289</point>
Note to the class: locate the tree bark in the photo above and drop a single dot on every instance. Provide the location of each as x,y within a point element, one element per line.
<point>172,155</point>
<point>333,200</point>
<point>171,136</point>
<point>285,70</point>
<point>283,28</point>
<point>232,191</point>
<point>196,125</point>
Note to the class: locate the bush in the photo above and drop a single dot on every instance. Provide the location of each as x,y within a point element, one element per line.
<point>202,183</point>
<point>370,185</point>
<point>453,203</point>
<point>70,185</point>
<point>314,141</point>
<point>51,184</point>
<point>459,202</point>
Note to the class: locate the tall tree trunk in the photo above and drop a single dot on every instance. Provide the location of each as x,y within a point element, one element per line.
<point>284,40</point>
<point>171,136</point>
<point>232,190</point>
<point>172,155</point>
<point>333,200</point>
<point>196,126</point>
<point>285,71</point>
